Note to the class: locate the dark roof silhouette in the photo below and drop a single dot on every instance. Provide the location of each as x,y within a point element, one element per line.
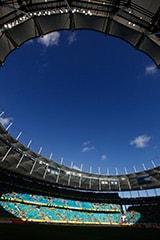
<point>135,21</point>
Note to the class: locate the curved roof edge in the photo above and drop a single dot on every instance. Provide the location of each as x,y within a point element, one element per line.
<point>18,158</point>
<point>135,21</point>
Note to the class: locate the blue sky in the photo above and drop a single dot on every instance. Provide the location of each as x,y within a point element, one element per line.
<point>89,99</point>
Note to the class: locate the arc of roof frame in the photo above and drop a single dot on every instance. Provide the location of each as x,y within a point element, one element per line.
<point>132,21</point>
<point>85,180</point>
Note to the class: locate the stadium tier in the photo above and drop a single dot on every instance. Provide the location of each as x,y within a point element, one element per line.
<point>21,160</point>
<point>35,208</point>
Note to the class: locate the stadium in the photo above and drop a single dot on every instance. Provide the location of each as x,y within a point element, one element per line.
<point>40,197</point>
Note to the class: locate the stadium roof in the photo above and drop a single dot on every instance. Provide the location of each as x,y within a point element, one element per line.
<point>135,21</point>
<point>20,159</point>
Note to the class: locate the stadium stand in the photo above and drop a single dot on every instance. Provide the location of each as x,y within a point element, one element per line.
<point>28,196</point>
<point>46,208</point>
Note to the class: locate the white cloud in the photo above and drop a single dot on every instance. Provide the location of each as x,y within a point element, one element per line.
<point>50,39</point>
<point>4,121</point>
<point>72,38</point>
<point>86,143</point>
<point>140,141</point>
<point>87,147</point>
<point>29,42</point>
<point>151,69</point>
<point>103,157</point>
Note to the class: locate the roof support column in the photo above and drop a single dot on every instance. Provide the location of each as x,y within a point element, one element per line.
<point>23,154</point>
<point>45,172</point>
<point>34,164</point>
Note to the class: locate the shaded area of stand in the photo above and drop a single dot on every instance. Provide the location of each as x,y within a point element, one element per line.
<point>61,232</point>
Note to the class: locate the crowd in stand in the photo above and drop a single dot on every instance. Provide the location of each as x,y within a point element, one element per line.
<point>150,214</point>
<point>38,208</point>
<point>49,209</point>
<point>61,202</point>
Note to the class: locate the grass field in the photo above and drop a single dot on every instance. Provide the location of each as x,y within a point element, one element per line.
<point>61,232</point>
